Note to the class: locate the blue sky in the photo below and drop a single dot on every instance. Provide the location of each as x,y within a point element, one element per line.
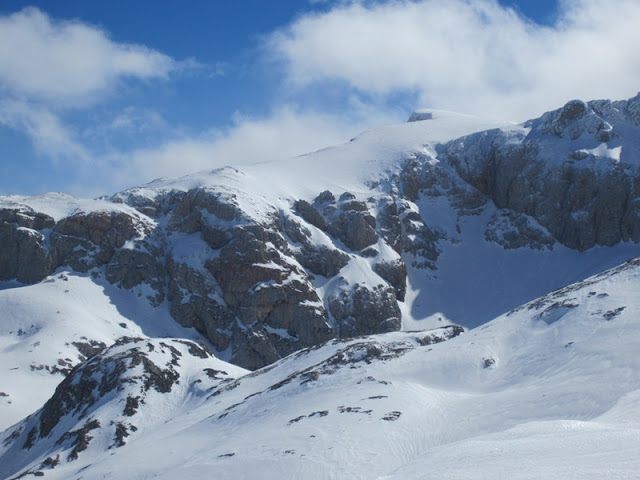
<point>100,96</point>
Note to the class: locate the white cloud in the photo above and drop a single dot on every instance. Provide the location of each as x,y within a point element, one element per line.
<point>48,66</point>
<point>66,62</point>
<point>473,56</point>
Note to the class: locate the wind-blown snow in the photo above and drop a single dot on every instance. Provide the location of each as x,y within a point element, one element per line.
<point>348,167</point>
<point>604,151</point>
<point>61,205</point>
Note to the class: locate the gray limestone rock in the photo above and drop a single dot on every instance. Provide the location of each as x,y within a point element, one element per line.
<point>581,197</point>
<point>25,255</point>
<point>310,214</point>
<point>363,310</point>
<point>390,225</point>
<point>110,229</point>
<point>221,204</point>
<point>421,241</point>
<point>319,259</point>
<point>131,267</point>
<point>419,116</point>
<point>273,301</point>
<point>513,230</point>
<point>323,260</point>
<point>324,197</point>
<point>196,302</point>
<point>394,272</point>
<point>26,217</point>
<point>356,229</point>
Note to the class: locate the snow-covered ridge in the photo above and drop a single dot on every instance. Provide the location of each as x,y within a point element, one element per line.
<point>448,219</point>
<point>49,328</point>
<point>399,405</point>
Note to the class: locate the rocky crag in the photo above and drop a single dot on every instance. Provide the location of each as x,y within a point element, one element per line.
<point>100,400</point>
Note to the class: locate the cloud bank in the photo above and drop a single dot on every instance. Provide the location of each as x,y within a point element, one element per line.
<point>49,68</point>
<point>471,56</point>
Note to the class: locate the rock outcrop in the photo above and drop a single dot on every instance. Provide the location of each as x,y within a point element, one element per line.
<point>102,400</point>
<point>361,310</point>
<point>24,254</point>
<point>575,172</point>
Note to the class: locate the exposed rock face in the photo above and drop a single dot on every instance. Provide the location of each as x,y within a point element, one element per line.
<point>36,245</point>
<point>573,172</point>
<point>273,300</point>
<point>513,230</point>
<point>352,223</point>
<point>195,303</point>
<point>244,281</point>
<point>131,267</point>
<point>347,220</point>
<point>318,259</point>
<point>245,290</point>
<point>250,288</point>
<point>310,214</point>
<point>395,273</point>
<point>362,310</point>
<point>265,305</point>
<point>24,255</point>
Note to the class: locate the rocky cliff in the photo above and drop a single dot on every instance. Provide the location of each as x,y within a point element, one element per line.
<point>574,170</point>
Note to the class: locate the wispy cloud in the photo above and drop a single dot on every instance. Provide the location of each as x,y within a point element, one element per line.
<point>68,62</point>
<point>51,67</point>
<point>471,56</point>
<point>285,133</point>
<point>50,137</point>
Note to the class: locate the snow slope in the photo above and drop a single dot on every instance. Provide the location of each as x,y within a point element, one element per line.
<point>48,328</point>
<point>547,390</point>
<point>352,167</point>
<point>60,205</point>
<point>495,279</point>
<point>365,167</point>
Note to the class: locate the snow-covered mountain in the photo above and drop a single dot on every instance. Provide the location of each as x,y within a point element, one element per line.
<point>335,274</point>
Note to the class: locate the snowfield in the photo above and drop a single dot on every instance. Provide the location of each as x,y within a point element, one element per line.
<point>48,328</point>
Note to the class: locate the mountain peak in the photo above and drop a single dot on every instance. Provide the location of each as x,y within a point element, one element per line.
<point>420,115</point>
